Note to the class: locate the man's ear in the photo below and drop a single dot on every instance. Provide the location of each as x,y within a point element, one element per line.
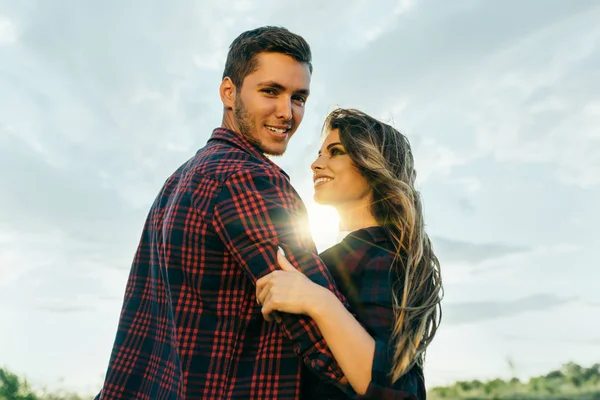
<point>227,91</point>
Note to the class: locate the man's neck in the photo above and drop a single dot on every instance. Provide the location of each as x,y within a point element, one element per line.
<point>228,122</point>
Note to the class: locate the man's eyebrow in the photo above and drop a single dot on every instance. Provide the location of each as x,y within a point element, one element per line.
<point>277,85</point>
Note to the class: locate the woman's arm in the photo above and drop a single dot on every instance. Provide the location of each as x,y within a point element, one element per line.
<point>364,360</point>
<point>352,346</point>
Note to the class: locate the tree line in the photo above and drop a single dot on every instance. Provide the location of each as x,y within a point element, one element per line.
<point>571,382</point>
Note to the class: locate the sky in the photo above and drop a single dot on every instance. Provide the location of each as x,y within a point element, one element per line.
<point>101,101</point>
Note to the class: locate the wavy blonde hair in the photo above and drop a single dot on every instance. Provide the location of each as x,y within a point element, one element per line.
<point>384,157</point>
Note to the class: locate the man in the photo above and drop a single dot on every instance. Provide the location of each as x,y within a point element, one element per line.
<point>190,326</point>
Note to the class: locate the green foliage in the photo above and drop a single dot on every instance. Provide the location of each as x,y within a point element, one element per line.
<point>571,382</point>
<point>14,388</point>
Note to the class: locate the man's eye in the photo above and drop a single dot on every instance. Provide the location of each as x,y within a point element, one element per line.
<point>300,99</point>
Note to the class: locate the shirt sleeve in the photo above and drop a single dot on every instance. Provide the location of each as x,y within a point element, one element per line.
<point>257,211</point>
<point>376,313</point>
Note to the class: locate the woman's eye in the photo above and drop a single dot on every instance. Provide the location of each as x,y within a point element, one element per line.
<point>336,151</point>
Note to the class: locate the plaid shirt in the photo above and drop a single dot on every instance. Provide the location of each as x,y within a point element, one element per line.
<point>360,265</point>
<point>190,327</point>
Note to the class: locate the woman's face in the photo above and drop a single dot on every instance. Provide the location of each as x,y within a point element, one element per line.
<point>337,181</point>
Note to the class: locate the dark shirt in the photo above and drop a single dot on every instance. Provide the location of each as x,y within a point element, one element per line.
<point>360,265</point>
<point>190,327</point>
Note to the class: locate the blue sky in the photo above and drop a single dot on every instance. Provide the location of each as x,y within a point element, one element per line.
<point>100,102</point>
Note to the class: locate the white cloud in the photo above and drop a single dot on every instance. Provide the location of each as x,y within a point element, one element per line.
<point>470,185</point>
<point>8,31</point>
<point>432,158</point>
<point>531,103</point>
<point>593,108</point>
<point>387,23</point>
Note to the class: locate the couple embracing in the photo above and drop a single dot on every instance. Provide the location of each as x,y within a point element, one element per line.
<point>227,297</point>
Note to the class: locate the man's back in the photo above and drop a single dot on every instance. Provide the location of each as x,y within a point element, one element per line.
<point>190,326</point>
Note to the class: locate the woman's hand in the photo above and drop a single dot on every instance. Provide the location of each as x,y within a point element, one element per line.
<point>288,290</point>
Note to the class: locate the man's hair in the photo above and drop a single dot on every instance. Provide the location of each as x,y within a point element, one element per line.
<point>241,59</point>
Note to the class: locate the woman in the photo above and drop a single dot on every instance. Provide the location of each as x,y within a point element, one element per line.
<point>385,267</point>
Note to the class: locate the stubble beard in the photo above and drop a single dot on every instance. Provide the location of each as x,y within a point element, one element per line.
<point>247,127</point>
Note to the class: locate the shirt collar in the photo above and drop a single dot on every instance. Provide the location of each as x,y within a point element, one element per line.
<point>374,234</point>
<point>237,140</point>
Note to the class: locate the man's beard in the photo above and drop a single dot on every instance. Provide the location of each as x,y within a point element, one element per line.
<point>244,122</point>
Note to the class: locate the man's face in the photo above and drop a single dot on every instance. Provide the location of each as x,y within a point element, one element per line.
<point>270,104</point>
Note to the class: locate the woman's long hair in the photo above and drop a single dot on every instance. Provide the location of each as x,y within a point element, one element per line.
<point>384,157</point>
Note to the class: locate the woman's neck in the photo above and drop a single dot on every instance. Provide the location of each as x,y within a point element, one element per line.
<point>355,217</point>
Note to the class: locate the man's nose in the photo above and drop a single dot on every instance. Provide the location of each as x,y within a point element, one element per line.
<point>284,109</point>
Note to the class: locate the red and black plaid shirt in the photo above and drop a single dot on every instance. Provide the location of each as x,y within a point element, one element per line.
<point>190,327</point>
<point>360,265</point>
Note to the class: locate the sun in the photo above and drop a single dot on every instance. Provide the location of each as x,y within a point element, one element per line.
<point>323,224</point>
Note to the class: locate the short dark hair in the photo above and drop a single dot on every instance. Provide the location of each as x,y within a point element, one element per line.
<point>241,59</point>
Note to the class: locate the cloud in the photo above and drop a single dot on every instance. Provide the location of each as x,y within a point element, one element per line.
<point>8,31</point>
<point>555,340</point>
<point>469,184</point>
<point>550,89</point>
<point>42,197</point>
<point>416,52</point>
<point>470,312</point>
<point>456,251</point>
<point>53,271</point>
<point>432,158</point>
<point>65,309</point>
<point>480,90</point>
<point>466,205</point>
